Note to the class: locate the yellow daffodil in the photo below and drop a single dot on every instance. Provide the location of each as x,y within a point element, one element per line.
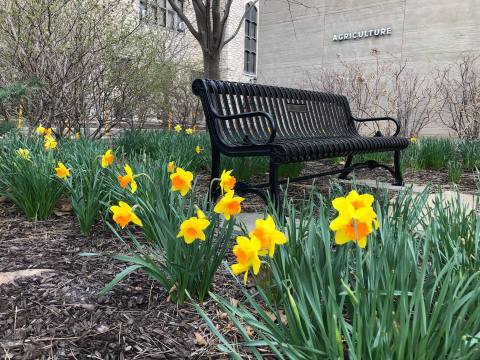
<point>123,214</point>
<point>229,205</point>
<point>181,181</point>
<point>178,128</point>
<point>77,135</point>
<point>356,218</point>
<point>413,140</point>
<point>268,235</point>
<point>24,153</point>
<point>107,159</point>
<point>189,131</point>
<point>128,179</point>
<point>227,181</point>
<point>358,201</point>
<point>40,130</point>
<point>198,149</point>
<point>62,171</point>
<point>246,251</point>
<point>48,132</point>
<point>171,167</point>
<point>193,228</point>
<point>49,142</point>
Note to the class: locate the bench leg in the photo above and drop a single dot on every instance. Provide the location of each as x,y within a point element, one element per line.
<point>348,163</point>
<point>274,185</point>
<point>398,170</point>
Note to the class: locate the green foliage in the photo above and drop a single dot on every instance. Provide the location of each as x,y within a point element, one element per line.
<point>88,182</point>
<point>179,267</point>
<point>412,293</point>
<point>166,145</point>
<point>180,147</point>
<point>452,155</point>
<point>434,153</point>
<point>6,126</point>
<point>454,168</point>
<point>30,184</point>
<point>18,90</point>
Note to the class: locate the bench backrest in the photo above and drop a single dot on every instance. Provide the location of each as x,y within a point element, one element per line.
<point>298,113</point>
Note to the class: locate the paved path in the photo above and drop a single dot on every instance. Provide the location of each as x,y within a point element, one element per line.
<point>468,200</point>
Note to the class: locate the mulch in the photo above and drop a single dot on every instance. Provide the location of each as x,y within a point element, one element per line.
<point>59,315</point>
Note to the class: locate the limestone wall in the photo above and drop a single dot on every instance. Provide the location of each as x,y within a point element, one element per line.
<point>296,41</point>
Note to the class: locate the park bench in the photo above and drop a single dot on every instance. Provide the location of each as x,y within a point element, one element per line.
<point>288,126</point>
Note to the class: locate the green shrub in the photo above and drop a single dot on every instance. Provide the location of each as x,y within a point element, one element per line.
<point>412,293</point>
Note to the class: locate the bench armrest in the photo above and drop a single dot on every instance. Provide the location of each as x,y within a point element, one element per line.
<point>248,115</point>
<point>397,124</point>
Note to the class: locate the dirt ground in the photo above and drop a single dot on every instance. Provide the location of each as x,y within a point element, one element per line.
<point>57,313</point>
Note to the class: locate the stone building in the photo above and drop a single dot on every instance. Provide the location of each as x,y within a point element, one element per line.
<point>300,39</point>
<point>297,39</point>
<point>239,60</point>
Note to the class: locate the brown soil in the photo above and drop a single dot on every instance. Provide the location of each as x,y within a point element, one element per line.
<point>57,314</point>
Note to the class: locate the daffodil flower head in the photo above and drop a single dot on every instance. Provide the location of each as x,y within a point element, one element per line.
<point>49,142</point>
<point>62,171</point>
<point>107,159</point>
<point>193,228</point>
<point>123,214</point>
<point>227,181</point>
<point>189,131</point>
<point>171,167</point>
<point>178,128</point>
<point>269,236</point>
<point>246,252</point>
<point>413,140</point>
<point>198,149</point>
<point>356,218</point>
<point>181,181</point>
<point>229,205</point>
<point>128,179</point>
<point>77,135</point>
<point>40,130</point>
<point>24,153</point>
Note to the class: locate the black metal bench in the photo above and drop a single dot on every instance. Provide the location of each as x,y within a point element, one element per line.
<point>288,125</point>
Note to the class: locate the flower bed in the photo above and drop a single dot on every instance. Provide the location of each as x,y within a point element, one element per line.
<point>347,274</point>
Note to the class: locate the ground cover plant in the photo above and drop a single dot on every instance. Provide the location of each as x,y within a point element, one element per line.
<point>344,275</point>
<point>412,291</point>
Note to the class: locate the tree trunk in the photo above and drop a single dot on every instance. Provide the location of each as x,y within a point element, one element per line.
<point>211,64</point>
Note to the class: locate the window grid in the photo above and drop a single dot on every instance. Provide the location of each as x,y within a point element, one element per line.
<point>250,57</point>
<point>161,13</point>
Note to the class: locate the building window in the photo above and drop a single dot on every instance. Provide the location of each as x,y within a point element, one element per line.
<point>160,12</point>
<point>143,9</point>
<point>250,59</point>
<point>163,13</point>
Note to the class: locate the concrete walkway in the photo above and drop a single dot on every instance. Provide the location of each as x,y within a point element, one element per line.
<point>468,200</point>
